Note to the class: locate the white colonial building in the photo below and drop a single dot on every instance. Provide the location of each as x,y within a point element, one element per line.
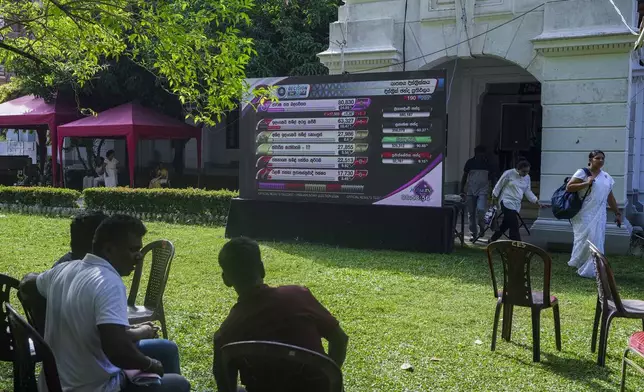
<point>568,65</point>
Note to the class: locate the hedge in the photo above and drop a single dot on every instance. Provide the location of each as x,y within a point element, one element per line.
<point>39,196</point>
<point>191,202</point>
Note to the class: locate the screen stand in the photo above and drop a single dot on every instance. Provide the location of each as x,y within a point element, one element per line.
<point>419,229</point>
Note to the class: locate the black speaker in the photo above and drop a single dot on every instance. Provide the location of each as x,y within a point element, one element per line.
<point>516,126</point>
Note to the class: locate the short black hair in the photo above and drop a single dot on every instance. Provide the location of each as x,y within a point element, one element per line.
<point>241,260</point>
<point>82,230</point>
<point>480,149</point>
<point>523,164</point>
<point>109,152</point>
<point>117,228</point>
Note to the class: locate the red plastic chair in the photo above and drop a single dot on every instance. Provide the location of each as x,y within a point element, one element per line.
<point>517,290</point>
<point>635,346</point>
<point>609,303</point>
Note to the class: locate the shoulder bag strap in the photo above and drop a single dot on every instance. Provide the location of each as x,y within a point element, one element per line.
<point>588,173</point>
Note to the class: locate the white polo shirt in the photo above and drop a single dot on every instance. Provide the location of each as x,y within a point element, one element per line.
<point>81,295</point>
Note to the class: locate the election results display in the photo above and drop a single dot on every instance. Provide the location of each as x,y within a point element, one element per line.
<point>366,139</point>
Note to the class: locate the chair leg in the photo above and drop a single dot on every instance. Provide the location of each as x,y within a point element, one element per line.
<point>598,314</point>
<point>555,311</point>
<point>164,328</point>
<point>536,334</point>
<point>495,328</point>
<point>622,385</point>
<point>16,377</point>
<point>508,322</point>
<point>603,338</point>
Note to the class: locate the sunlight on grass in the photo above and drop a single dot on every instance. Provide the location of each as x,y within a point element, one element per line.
<point>427,310</point>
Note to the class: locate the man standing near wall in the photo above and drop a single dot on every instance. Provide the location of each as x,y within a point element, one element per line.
<point>475,185</point>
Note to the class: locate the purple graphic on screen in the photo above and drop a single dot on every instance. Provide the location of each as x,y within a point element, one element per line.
<point>423,190</point>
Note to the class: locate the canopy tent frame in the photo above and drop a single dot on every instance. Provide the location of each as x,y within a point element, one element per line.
<point>31,112</point>
<point>134,123</point>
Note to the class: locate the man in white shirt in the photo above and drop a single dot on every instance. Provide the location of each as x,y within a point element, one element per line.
<point>510,190</point>
<point>86,322</point>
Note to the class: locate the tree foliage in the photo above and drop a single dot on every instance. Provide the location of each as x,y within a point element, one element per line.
<point>193,51</point>
<point>289,36</point>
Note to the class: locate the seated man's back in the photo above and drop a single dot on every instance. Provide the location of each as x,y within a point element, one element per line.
<point>286,314</point>
<point>74,291</point>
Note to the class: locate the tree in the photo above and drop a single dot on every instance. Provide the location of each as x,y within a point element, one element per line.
<point>192,50</point>
<point>289,36</point>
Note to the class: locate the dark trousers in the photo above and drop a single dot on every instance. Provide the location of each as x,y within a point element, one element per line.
<point>510,222</point>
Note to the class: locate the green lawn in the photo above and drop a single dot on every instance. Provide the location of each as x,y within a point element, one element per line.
<point>428,310</point>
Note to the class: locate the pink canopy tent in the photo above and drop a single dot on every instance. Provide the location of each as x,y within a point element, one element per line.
<point>133,122</point>
<point>30,112</point>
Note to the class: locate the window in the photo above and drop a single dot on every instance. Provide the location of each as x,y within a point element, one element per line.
<point>232,129</point>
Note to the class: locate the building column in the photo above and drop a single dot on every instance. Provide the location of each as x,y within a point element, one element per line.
<point>585,98</point>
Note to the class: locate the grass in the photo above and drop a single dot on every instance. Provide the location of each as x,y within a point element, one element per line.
<point>428,310</point>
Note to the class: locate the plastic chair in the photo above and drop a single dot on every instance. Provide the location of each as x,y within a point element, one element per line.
<point>609,304</point>
<point>278,359</point>
<point>152,309</point>
<point>35,312</point>
<point>7,284</point>
<point>516,257</point>
<point>22,333</point>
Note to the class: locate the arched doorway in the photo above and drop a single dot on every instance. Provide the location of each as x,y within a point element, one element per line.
<point>494,103</point>
<point>497,104</point>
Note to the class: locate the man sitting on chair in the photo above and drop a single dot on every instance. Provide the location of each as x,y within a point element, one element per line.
<point>285,314</point>
<point>81,232</point>
<point>87,325</point>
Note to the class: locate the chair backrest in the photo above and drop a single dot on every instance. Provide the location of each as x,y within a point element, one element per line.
<point>516,257</point>
<point>263,352</point>
<point>162,255</point>
<point>35,310</point>
<point>606,284</point>
<point>7,283</point>
<point>22,332</point>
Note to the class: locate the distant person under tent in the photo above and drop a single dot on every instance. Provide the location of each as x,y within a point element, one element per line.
<point>161,178</point>
<point>111,170</point>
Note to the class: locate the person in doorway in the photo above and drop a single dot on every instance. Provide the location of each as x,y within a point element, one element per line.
<point>161,178</point>
<point>510,190</point>
<point>596,188</point>
<point>86,319</point>
<point>475,187</point>
<point>111,170</point>
<point>286,314</point>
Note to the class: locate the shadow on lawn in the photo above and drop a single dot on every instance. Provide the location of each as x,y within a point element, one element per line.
<point>467,265</point>
<point>579,370</point>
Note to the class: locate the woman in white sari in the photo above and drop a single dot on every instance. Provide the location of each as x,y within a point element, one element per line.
<point>590,222</point>
<point>111,170</point>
